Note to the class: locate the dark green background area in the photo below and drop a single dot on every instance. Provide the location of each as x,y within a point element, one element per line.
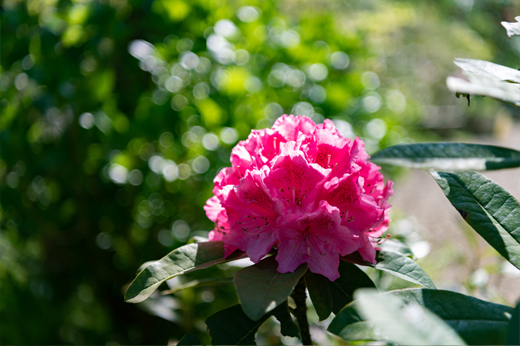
<point>81,119</point>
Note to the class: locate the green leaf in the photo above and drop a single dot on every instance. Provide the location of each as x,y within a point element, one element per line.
<point>476,321</point>
<point>449,156</point>
<point>261,288</point>
<point>231,326</point>
<point>396,246</point>
<point>487,207</point>
<point>319,292</point>
<point>287,325</point>
<point>512,28</point>
<point>185,259</point>
<point>342,289</point>
<point>411,325</point>
<point>513,331</point>
<point>403,267</point>
<point>189,339</point>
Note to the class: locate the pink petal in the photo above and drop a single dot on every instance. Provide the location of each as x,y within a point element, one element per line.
<point>213,208</point>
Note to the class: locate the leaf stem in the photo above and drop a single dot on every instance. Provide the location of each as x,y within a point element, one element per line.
<point>300,312</point>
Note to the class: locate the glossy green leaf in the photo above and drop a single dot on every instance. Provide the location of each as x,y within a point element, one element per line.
<point>449,156</point>
<point>231,326</point>
<point>261,288</point>
<point>342,289</point>
<point>513,331</point>
<point>475,320</point>
<point>189,339</point>
<point>512,28</point>
<point>412,324</point>
<point>403,267</point>
<point>185,259</point>
<point>487,207</point>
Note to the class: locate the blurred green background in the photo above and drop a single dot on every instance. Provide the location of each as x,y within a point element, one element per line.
<point>117,114</point>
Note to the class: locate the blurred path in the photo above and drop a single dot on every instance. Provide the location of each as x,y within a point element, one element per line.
<point>453,260</point>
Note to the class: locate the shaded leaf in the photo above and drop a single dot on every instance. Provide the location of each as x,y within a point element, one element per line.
<point>231,326</point>
<point>182,260</point>
<point>319,292</point>
<point>287,326</point>
<point>189,339</point>
<point>513,331</point>
<point>487,207</point>
<point>412,324</point>
<point>512,28</point>
<point>342,289</point>
<point>476,321</point>
<point>449,156</point>
<point>261,288</point>
<point>403,267</point>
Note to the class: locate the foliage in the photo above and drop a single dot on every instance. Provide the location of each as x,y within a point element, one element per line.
<point>107,159</point>
<point>419,316</point>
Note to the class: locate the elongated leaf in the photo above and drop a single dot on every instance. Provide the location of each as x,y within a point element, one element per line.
<point>231,326</point>
<point>487,207</point>
<point>449,156</point>
<point>486,68</point>
<point>200,283</point>
<point>512,28</point>
<point>487,79</point>
<point>513,331</point>
<point>478,322</point>
<point>189,339</point>
<point>319,292</point>
<point>261,288</point>
<point>403,267</point>
<point>342,289</point>
<point>412,325</point>
<point>185,259</point>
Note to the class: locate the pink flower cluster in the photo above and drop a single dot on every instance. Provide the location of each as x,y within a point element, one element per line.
<point>304,189</point>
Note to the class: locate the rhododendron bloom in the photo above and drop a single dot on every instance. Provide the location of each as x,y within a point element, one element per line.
<point>303,189</point>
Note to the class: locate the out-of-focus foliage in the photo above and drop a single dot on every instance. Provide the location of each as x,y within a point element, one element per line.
<point>116,115</point>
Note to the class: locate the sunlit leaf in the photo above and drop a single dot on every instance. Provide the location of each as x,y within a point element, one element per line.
<point>261,288</point>
<point>487,79</point>
<point>476,321</point>
<point>487,207</point>
<point>411,325</point>
<point>403,267</point>
<point>512,28</point>
<point>486,68</point>
<point>231,326</point>
<point>449,156</point>
<point>185,259</point>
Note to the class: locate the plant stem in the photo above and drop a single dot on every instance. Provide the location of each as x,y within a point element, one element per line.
<point>299,297</point>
